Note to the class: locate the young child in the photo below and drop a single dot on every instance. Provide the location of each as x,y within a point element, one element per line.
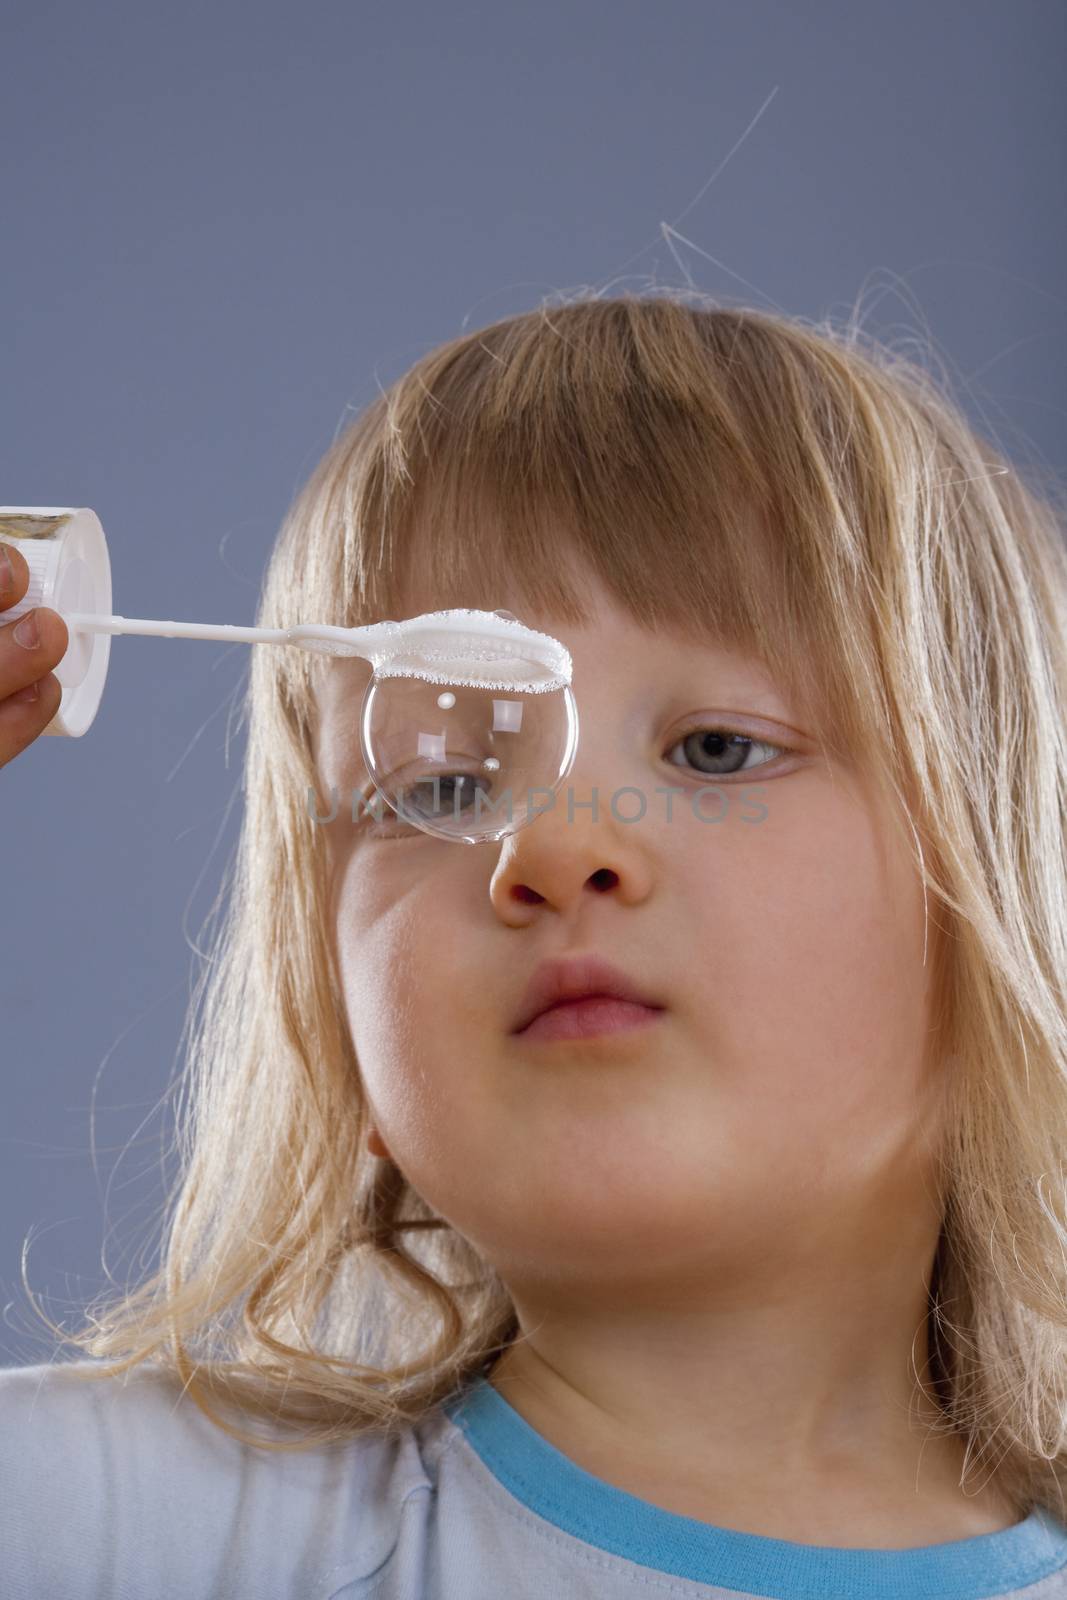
<point>761,1295</point>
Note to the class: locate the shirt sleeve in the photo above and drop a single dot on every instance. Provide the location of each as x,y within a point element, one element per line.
<point>119,1488</point>
<point>56,1477</point>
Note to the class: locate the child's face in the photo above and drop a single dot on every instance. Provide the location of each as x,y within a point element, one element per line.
<point>781,1096</point>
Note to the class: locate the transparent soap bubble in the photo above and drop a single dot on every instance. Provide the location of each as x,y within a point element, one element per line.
<point>466,763</point>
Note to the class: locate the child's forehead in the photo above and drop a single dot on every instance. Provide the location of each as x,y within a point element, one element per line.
<point>605,620</point>
<point>605,628</point>
<point>633,650</point>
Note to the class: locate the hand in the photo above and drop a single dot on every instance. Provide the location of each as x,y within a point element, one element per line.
<point>22,719</point>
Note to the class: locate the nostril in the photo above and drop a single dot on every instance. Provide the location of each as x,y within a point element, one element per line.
<point>525,895</point>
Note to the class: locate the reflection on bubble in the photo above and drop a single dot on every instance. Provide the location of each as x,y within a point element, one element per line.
<point>465,775</point>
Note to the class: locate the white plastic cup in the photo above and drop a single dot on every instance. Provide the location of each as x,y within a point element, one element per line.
<point>66,552</point>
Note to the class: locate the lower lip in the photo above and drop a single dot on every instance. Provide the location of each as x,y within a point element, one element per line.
<point>582,1019</point>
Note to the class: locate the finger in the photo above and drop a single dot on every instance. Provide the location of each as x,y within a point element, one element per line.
<point>22,720</point>
<point>30,647</point>
<point>14,575</point>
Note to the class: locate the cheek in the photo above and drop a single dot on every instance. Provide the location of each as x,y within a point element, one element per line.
<point>811,951</point>
<point>378,957</point>
<point>389,960</point>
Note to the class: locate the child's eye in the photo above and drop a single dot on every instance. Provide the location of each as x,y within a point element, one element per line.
<point>451,793</point>
<point>713,752</point>
<point>720,752</point>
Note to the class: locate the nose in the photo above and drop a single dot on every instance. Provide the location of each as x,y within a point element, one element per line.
<point>587,842</point>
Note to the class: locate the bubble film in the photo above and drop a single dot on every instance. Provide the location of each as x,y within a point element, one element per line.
<point>466,763</point>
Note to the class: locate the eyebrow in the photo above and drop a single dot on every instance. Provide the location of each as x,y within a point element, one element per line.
<point>762,697</point>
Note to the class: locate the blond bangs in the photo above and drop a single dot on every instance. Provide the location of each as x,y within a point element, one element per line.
<point>631,444</point>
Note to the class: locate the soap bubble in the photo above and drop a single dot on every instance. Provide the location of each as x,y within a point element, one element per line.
<point>480,772</point>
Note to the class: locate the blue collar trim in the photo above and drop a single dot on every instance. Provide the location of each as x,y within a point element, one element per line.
<point>552,1486</point>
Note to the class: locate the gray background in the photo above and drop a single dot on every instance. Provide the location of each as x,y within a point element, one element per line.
<point>224,226</point>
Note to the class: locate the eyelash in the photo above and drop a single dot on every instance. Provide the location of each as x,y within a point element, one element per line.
<point>731,733</point>
<point>686,733</point>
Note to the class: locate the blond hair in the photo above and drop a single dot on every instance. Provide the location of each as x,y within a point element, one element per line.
<point>799,490</point>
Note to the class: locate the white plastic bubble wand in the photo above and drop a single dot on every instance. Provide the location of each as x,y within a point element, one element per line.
<point>70,572</point>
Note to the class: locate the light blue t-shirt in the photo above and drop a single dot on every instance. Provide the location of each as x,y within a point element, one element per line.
<point>122,1490</point>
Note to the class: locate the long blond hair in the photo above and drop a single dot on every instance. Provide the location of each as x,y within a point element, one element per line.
<point>805,492</point>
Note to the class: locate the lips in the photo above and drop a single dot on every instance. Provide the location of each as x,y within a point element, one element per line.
<point>577,978</point>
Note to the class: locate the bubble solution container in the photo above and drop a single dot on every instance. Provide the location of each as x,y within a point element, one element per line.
<point>70,571</point>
